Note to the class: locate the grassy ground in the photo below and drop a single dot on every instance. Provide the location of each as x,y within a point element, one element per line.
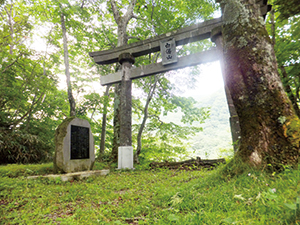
<point>148,197</point>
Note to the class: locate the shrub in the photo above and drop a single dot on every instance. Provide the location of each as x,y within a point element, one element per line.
<point>21,147</point>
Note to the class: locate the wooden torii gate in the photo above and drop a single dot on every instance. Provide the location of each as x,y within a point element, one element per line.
<point>165,43</point>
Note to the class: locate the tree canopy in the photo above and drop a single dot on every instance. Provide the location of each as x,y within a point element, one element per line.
<point>287,8</point>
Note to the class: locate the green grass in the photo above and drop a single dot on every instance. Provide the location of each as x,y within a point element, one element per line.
<point>148,197</point>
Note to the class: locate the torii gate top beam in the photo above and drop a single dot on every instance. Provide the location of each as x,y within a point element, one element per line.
<point>182,36</point>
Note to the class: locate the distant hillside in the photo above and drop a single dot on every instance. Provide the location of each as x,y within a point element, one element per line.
<point>216,134</point>
<point>216,130</point>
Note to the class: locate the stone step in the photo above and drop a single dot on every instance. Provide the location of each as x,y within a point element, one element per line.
<point>73,176</point>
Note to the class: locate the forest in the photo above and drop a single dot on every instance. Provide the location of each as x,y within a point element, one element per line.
<point>44,43</point>
<point>47,76</point>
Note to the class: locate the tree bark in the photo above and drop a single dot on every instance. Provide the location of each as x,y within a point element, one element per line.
<point>67,66</point>
<point>269,125</point>
<point>273,34</point>
<point>297,85</point>
<point>103,129</point>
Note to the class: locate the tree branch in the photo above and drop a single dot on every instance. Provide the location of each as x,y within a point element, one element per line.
<point>157,117</point>
<point>6,68</point>
<point>129,14</point>
<point>82,4</point>
<point>138,18</point>
<point>115,11</point>
<point>139,136</point>
<point>29,111</point>
<point>2,16</point>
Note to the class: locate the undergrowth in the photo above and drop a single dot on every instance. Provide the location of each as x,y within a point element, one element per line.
<point>149,197</point>
<point>22,147</point>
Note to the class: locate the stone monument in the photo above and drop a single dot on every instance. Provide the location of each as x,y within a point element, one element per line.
<point>74,146</point>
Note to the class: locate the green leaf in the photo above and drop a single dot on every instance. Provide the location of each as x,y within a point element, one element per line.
<point>239,197</point>
<point>173,217</point>
<point>290,206</point>
<point>229,220</point>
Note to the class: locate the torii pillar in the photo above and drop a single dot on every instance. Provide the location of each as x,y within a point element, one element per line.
<point>216,37</point>
<point>125,151</point>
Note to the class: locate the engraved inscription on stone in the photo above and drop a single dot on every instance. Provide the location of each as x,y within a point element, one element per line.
<point>168,51</point>
<point>80,145</point>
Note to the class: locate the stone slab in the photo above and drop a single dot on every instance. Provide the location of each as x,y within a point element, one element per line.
<point>63,161</point>
<point>125,157</point>
<point>73,176</point>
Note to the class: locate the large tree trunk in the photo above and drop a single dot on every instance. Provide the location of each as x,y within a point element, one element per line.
<point>67,66</point>
<point>269,126</point>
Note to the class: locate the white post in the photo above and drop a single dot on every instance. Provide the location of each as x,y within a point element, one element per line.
<point>125,157</point>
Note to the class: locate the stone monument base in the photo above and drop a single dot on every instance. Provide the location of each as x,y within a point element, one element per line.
<point>125,157</point>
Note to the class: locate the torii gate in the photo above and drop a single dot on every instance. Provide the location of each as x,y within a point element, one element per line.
<point>165,43</point>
